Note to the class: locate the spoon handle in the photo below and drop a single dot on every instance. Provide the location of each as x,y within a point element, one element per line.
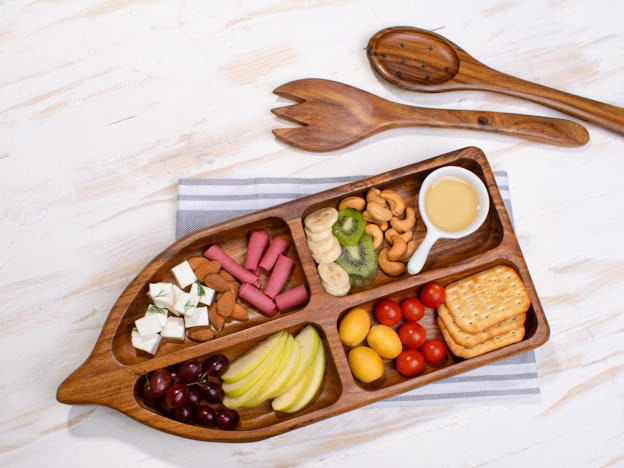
<point>558,132</point>
<point>599,113</point>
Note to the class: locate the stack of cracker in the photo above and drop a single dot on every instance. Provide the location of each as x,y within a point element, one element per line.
<point>484,312</point>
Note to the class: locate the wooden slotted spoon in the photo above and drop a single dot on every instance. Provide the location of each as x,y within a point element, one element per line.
<point>334,115</point>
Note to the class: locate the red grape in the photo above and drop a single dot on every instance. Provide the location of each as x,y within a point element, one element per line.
<point>189,371</point>
<point>183,414</point>
<point>213,392</point>
<point>195,395</point>
<point>160,381</point>
<point>216,365</point>
<point>177,395</point>
<point>205,415</point>
<point>227,419</point>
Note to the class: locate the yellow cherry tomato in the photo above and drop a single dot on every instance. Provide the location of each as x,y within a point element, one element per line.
<point>354,326</point>
<point>385,341</point>
<point>365,364</point>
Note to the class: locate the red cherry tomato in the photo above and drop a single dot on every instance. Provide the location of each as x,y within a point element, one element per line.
<point>432,294</point>
<point>412,335</point>
<point>410,362</point>
<point>388,312</point>
<point>412,309</point>
<point>433,351</point>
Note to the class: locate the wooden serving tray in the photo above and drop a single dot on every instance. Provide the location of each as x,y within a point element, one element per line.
<point>111,374</point>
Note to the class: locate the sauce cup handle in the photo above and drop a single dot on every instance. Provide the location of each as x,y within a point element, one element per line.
<point>417,260</point>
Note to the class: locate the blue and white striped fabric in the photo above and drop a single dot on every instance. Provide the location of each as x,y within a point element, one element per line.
<point>204,202</point>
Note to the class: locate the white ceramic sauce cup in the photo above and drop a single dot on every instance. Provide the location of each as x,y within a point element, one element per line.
<point>419,257</point>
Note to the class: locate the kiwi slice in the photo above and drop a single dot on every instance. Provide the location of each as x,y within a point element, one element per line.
<point>358,281</point>
<point>349,227</point>
<point>360,259</point>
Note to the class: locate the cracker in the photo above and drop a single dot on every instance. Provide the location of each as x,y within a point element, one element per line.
<point>484,299</point>
<point>472,339</point>
<point>513,336</point>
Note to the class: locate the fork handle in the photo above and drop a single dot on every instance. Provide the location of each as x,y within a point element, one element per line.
<point>549,130</point>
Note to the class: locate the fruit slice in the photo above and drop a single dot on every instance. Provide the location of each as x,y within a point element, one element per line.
<point>256,376</point>
<point>349,227</point>
<point>290,370</point>
<point>321,220</point>
<point>303,392</point>
<point>267,385</point>
<point>253,395</point>
<point>247,362</point>
<point>334,279</point>
<point>310,342</point>
<point>330,254</point>
<point>360,260</point>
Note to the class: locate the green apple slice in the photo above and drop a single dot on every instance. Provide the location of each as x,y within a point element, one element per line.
<point>278,386</point>
<point>303,392</point>
<point>311,389</point>
<point>275,364</point>
<point>251,380</point>
<point>273,377</point>
<point>310,341</point>
<point>251,359</point>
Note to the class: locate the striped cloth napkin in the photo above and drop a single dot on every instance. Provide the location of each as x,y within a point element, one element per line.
<point>204,202</point>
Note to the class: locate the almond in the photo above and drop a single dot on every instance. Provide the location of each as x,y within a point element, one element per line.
<point>215,319</point>
<point>216,282</point>
<point>225,303</point>
<point>239,313</point>
<point>226,276</point>
<point>203,333</point>
<point>196,262</point>
<point>210,267</point>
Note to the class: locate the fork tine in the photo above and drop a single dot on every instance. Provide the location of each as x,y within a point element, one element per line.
<point>309,139</point>
<point>298,90</point>
<point>289,113</point>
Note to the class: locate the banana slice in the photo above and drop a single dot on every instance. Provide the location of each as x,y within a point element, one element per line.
<point>329,255</point>
<point>317,236</point>
<point>321,220</point>
<point>335,291</point>
<point>333,275</point>
<point>321,245</point>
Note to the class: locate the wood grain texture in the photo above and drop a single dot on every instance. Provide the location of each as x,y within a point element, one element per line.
<point>112,373</point>
<point>335,115</point>
<point>421,60</point>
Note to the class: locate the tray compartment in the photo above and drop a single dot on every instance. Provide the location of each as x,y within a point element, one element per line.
<point>263,416</point>
<point>234,242</point>
<point>445,252</point>
<point>391,376</point>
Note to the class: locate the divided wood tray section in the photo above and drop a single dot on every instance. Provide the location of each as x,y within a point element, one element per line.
<point>111,374</point>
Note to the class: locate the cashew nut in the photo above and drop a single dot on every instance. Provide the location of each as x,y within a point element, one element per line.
<point>397,205</point>
<point>374,196</point>
<point>398,249</point>
<point>406,224</point>
<point>378,212</point>
<point>357,203</point>
<point>411,248</point>
<point>376,234</point>
<point>383,225</point>
<point>390,233</point>
<point>389,267</point>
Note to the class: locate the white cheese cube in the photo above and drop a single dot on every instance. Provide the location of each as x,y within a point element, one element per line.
<point>162,295</point>
<point>197,317</point>
<point>174,328</point>
<point>158,312</point>
<point>148,325</point>
<point>184,303</point>
<point>206,295</point>
<point>148,343</point>
<point>184,274</point>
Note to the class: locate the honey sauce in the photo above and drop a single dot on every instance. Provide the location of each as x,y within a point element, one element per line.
<point>451,203</point>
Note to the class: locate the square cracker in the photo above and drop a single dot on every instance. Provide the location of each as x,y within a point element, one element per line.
<point>469,340</point>
<point>513,336</point>
<point>484,299</point>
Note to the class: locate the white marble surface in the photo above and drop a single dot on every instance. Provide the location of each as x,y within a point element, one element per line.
<point>104,104</point>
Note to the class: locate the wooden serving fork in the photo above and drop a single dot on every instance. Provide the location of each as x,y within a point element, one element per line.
<point>334,115</point>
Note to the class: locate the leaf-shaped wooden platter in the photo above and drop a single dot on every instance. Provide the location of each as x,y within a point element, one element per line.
<point>112,373</point>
